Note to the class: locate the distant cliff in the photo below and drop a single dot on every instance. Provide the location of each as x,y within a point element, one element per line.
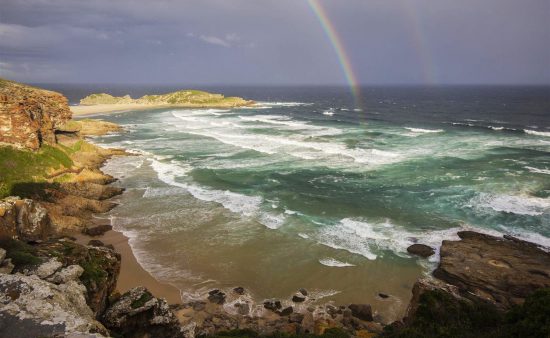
<point>29,117</point>
<point>192,98</point>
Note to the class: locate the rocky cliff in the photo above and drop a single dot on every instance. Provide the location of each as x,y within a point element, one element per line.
<point>29,117</point>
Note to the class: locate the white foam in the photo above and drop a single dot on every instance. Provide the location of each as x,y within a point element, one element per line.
<point>537,133</point>
<point>302,235</point>
<point>537,170</point>
<point>516,204</point>
<point>328,261</point>
<point>284,104</point>
<point>496,128</point>
<point>238,203</point>
<point>423,131</point>
<point>299,145</point>
<point>364,238</point>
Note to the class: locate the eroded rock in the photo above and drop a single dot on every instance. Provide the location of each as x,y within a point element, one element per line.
<point>138,314</point>
<point>421,250</point>
<point>503,271</point>
<point>36,304</point>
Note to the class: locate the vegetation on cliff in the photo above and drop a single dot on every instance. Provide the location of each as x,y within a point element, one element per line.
<point>180,98</point>
<point>441,315</point>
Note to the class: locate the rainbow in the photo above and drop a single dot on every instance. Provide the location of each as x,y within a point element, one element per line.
<point>336,42</point>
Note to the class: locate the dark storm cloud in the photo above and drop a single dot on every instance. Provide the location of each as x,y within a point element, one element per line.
<point>274,42</point>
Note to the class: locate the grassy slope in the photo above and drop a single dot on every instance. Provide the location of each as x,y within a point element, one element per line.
<point>25,166</point>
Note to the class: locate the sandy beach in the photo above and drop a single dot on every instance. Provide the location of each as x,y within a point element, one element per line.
<point>132,273</point>
<point>82,110</point>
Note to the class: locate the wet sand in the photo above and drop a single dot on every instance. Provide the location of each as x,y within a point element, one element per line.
<point>132,273</point>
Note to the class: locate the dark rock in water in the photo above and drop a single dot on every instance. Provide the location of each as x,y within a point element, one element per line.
<point>286,311</point>
<point>97,230</point>
<point>296,318</point>
<point>138,314</point>
<point>239,290</point>
<point>303,291</point>
<point>420,250</point>
<point>383,295</point>
<point>503,271</point>
<point>216,296</point>
<point>273,304</point>
<point>361,311</point>
<point>298,298</point>
<point>96,242</point>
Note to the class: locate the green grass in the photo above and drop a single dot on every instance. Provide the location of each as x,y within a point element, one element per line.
<point>21,253</point>
<point>21,166</point>
<point>145,297</point>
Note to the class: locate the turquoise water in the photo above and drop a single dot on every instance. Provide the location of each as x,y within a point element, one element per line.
<point>320,195</point>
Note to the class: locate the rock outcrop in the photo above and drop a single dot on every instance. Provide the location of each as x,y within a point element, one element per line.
<point>29,117</point>
<point>47,301</point>
<point>138,314</point>
<point>503,271</point>
<point>24,219</point>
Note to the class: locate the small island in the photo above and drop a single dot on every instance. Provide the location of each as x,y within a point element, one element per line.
<point>96,103</point>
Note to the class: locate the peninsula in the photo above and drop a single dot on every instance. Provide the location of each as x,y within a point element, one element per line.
<point>103,103</point>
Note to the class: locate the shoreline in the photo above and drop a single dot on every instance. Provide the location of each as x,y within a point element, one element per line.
<point>132,274</point>
<point>84,110</point>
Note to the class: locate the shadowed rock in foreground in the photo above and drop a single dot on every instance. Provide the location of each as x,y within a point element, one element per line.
<point>503,271</point>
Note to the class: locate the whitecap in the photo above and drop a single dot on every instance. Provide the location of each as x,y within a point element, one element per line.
<point>537,170</point>
<point>422,131</point>
<point>537,133</point>
<point>515,204</point>
<point>328,261</point>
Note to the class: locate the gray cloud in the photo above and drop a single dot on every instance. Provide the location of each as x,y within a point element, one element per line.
<point>274,41</point>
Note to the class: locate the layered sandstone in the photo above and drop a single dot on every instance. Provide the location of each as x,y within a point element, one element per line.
<point>29,117</point>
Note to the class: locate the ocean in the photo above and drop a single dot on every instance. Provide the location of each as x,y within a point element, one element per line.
<point>307,190</point>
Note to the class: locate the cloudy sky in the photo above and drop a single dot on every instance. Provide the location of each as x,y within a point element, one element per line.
<point>274,41</point>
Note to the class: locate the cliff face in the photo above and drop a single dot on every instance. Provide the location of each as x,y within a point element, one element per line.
<point>30,116</point>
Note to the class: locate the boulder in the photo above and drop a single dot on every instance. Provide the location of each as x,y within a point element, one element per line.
<point>298,298</point>
<point>421,250</point>
<point>32,307</point>
<point>361,311</point>
<point>138,314</point>
<point>97,229</point>
<point>239,290</point>
<point>286,311</point>
<point>503,271</point>
<point>296,318</point>
<point>216,296</point>
<point>273,304</point>
<point>242,308</point>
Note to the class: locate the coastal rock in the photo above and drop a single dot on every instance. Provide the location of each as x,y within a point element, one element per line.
<point>32,307</point>
<point>97,230</point>
<point>6,266</point>
<point>303,291</point>
<point>421,250</point>
<point>503,271</point>
<point>90,190</point>
<point>239,290</point>
<point>298,298</point>
<point>46,269</point>
<point>216,296</point>
<point>361,311</point>
<point>296,318</point>
<point>242,308</point>
<point>70,273</point>
<point>29,117</point>
<point>138,314</point>
<point>286,311</point>
<point>24,219</point>
<point>273,304</point>
<point>100,265</point>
